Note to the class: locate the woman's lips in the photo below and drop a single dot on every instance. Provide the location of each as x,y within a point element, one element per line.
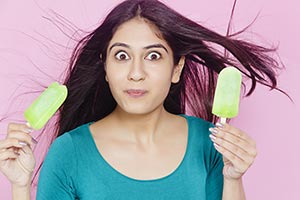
<point>136,93</point>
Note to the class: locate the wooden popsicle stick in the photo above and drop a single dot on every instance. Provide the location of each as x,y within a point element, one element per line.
<point>223,120</point>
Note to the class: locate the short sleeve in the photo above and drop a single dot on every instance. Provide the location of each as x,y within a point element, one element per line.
<point>214,181</point>
<point>57,173</point>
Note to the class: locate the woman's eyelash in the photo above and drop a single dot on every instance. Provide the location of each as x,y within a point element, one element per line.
<point>121,53</point>
<point>154,53</point>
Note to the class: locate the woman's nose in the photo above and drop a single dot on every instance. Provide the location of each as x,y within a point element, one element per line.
<point>136,71</point>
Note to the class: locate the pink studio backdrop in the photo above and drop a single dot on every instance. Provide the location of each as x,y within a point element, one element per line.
<point>28,40</point>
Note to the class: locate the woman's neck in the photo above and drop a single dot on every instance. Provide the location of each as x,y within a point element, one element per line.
<point>143,128</point>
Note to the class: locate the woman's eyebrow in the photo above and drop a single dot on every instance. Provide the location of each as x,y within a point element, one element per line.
<point>120,44</point>
<point>156,46</point>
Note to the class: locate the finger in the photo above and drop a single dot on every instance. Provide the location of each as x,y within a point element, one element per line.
<point>21,136</point>
<point>221,133</point>
<point>239,165</point>
<point>236,132</point>
<point>233,149</point>
<point>6,154</point>
<point>234,140</point>
<point>26,150</point>
<point>19,127</point>
<point>11,142</point>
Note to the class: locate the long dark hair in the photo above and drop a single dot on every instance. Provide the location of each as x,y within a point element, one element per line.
<point>89,96</point>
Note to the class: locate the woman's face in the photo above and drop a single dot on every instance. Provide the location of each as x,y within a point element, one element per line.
<point>139,67</point>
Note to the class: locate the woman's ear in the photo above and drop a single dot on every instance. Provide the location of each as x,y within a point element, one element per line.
<point>178,69</point>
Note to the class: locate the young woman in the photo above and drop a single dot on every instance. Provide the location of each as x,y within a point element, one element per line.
<point>124,132</point>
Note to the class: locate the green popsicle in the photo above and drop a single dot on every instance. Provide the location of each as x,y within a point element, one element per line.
<point>45,106</point>
<point>227,94</point>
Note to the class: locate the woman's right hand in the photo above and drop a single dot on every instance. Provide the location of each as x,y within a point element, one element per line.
<point>16,157</point>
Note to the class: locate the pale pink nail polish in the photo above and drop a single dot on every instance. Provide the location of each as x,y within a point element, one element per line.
<point>216,146</point>
<point>219,125</point>
<point>23,143</point>
<point>213,130</point>
<point>212,137</point>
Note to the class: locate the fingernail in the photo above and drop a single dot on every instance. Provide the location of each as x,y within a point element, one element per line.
<point>213,130</point>
<point>212,137</point>
<point>28,125</point>
<point>219,125</point>
<point>216,146</point>
<point>23,143</point>
<point>28,130</point>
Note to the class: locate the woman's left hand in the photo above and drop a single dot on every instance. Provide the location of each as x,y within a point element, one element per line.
<point>237,148</point>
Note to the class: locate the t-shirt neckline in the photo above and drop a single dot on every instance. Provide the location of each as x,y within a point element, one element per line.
<point>124,176</point>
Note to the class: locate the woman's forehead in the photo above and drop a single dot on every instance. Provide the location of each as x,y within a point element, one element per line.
<point>138,31</point>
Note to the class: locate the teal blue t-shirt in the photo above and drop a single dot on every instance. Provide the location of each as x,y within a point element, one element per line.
<point>74,169</point>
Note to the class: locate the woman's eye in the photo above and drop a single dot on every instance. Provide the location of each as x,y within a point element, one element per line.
<point>153,56</point>
<point>121,55</point>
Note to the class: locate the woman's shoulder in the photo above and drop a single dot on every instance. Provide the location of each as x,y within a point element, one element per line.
<point>64,149</point>
<point>198,130</point>
<point>200,143</point>
<point>197,123</point>
<point>76,133</point>
<point>70,138</point>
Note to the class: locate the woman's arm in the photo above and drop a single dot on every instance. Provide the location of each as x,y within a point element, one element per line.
<point>239,152</point>
<point>21,192</point>
<point>233,189</point>
<point>57,178</point>
<point>17,160</point>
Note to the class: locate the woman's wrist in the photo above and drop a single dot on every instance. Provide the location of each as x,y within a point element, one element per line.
<point>233,180</point>
<point>233,189</point>
<point>16,186</point>
<point>21,192</point>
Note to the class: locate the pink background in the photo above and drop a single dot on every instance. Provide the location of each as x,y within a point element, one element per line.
<point>29,40</point>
